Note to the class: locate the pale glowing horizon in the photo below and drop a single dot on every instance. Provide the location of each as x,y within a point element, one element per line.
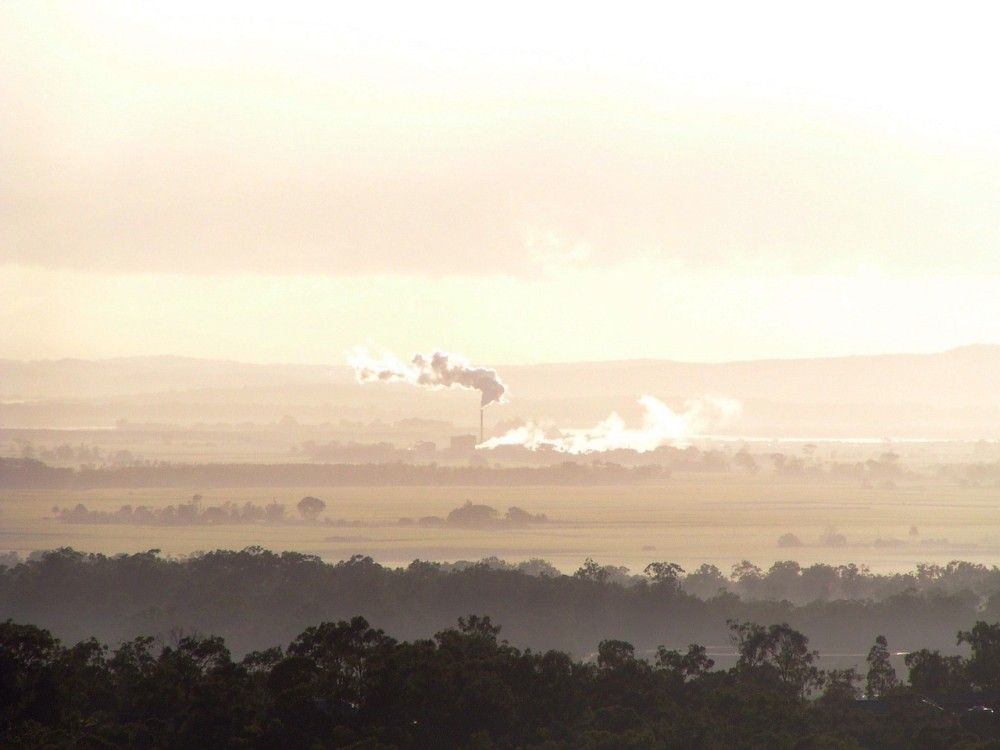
<point>266,182</point>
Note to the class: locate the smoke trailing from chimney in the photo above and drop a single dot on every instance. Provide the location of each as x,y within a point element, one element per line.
<point>661,425</point>
<point>436,370</point>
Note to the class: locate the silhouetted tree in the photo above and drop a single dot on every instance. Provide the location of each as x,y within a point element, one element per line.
<point>691,665</point>
<point>664,573</point>
<point>778,651</point>
<point>930,673</point>
<point>881,677</point>
<point>983,667</point>
<point>310,507</point>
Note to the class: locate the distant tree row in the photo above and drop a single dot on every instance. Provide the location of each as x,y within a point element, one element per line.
<point>309,508</point>
<point>193,513</point>
<point>493,468</point>
<point>22,473</point>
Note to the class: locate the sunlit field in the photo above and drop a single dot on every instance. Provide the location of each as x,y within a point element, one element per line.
<point>689,520</point>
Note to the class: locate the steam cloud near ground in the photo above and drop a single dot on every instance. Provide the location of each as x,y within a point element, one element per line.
<point>661,425</point>
<point>436,370</point>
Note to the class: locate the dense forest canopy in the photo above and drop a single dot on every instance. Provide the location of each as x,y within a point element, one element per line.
<point>347,684</point>
<point>255,598</point>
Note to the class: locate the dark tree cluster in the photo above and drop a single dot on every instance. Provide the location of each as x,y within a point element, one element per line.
<point>347,685</point>
<point>478,516</point>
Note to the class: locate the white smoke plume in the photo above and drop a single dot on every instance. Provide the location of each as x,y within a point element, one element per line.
<point>436,370</point>
<point>661,425</point>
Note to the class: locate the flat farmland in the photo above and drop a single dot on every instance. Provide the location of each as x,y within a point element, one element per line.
<point>689,520</point>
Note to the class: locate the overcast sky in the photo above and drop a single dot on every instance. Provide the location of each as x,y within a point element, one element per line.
<point>284,181</point>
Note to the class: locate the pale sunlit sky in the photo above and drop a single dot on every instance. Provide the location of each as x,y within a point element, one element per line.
<point>284,181</point>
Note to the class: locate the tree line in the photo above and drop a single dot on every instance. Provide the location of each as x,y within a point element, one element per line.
<point>255,598</point>
<point>346,684</point>
<point>27,473</point>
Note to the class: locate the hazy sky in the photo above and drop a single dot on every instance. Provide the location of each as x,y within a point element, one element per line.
<point>283,181</point>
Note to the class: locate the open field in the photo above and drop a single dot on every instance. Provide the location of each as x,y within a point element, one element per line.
<point>689,520</point>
